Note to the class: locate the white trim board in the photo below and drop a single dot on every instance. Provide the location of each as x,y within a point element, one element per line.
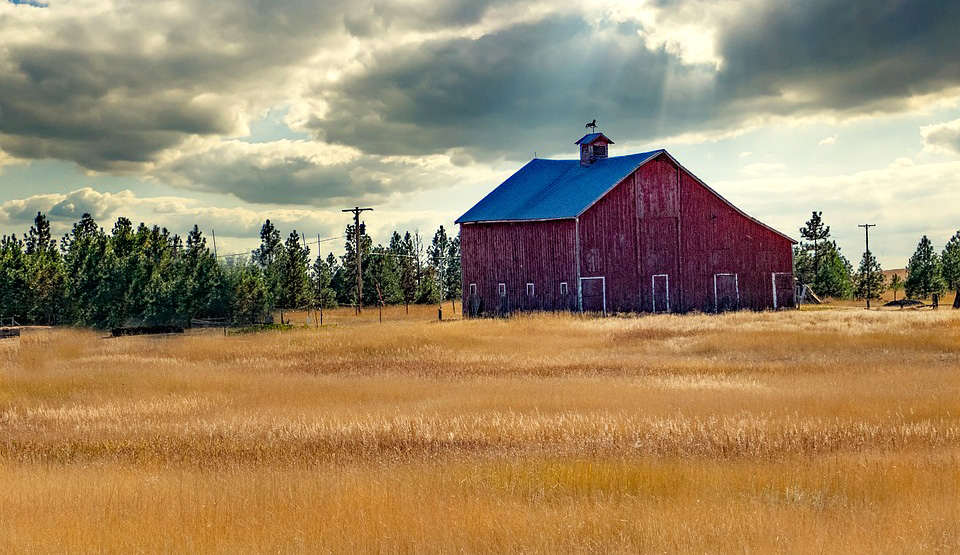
<point>653,291</point>
<point>716,298</point>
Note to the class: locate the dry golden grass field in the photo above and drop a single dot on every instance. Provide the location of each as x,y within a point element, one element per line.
<point>821,431</point>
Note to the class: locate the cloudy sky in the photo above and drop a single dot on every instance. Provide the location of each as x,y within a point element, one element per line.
<point>224,113</point>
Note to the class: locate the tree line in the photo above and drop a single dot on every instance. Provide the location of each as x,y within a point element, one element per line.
<point>148,276</point>
<point>819,264</point>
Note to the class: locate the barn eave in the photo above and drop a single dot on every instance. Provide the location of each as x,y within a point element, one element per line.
<point>516,221</point>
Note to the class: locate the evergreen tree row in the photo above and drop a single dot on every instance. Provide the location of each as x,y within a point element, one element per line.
<point>148,276</point>
<point>819,263</point>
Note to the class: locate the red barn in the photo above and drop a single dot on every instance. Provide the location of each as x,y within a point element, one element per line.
<point>636,233</point>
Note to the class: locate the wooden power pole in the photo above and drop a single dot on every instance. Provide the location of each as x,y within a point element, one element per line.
<point>356,242</point>
<point>866,231</point>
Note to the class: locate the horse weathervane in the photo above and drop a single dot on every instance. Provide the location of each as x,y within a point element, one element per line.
<point>591,125</point>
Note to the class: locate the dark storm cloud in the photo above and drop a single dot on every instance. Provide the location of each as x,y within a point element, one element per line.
<point>111,90</point>
<point>498,93</point>
<point>294,172</point>
<point>847,55</point>
<point>289,181</point>
<point>503,93</point>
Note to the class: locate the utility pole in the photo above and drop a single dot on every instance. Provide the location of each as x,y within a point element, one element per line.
<point>866,232</point>
<point>356,241</point>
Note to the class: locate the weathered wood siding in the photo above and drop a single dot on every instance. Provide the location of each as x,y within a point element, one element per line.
<point>515,254</point>
<point>717,240</point>
<point>608,240</point>
<point>659,202</point>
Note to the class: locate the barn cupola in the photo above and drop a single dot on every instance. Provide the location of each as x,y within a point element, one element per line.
<point>593,147</point>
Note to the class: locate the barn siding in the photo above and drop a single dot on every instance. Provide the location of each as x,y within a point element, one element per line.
<point>717,239</point>
<point>608,241</point>
<point>659,199</point>
<point>542,253</point>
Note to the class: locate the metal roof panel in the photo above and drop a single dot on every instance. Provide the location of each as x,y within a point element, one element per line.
<point>553,189</point>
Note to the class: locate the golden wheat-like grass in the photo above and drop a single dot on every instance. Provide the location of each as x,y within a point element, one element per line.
<point>790,432</point>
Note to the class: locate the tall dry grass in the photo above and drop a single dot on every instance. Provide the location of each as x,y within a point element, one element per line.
<point>792,432</point>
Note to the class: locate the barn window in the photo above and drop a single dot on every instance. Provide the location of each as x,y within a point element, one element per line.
<point>530,290</point>
<point>563,288</point>
<point>502,289</point>
<point>473,288</point>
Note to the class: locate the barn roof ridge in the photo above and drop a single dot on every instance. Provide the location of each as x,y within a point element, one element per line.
<point>551,189</point>
<point>590,137</point>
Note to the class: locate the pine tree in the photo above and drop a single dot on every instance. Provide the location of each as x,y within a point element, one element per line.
<point>437,260</point>
<point>295,290</point>
<point>14,285</point>
<point>869,278</point>
<point>454,283</point>
<point>896,284</point>
<point>402,248</point>
<point>202,281</point>
<point>815,231</point>
<point>340,282</point>
<point>833,278</point>
<point>149,248</point>
<point>39,239</point>
<point>268,256</point>
<point>248,293</point>
<point>90,283</point>
<point>950,261</point>
<point>383,273</point>
<point>43,273</point>
<point>325,296</point>
<point>270,245</point>
<point>803,268</point>
<point>122,272</point>
<point>924,272</point>
<point>165,287</point>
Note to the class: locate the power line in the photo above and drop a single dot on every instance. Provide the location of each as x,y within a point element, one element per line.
<point>311,242</point>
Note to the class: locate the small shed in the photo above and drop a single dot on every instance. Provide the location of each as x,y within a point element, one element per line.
<point>634,233</point>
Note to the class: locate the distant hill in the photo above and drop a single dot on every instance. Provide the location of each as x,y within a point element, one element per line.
<point>887,274</point>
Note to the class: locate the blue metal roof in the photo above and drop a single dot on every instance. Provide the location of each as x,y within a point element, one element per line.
<point>590,137</point>
<point>553,189</point>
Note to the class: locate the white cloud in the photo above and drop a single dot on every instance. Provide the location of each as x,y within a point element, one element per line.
<point>7,159</point>
<point>941,137</point>
<point>762,168</point>
<point>832,139</point>
<point>905,200</point>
